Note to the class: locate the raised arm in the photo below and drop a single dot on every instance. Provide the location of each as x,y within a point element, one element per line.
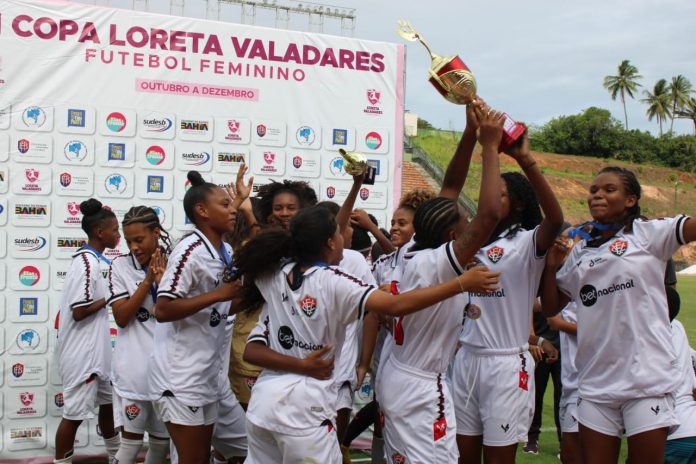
<point>458,167</point>
<point>360,218</point>
<point>343,216</point>
<point>552,299</point>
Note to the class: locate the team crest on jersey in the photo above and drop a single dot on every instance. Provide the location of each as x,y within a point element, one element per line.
<point>250,382</point>
<point>495,254</point>
<point>132,411</point>
<point>308,305</point>
<point>398,458</point>
<point>619,247</point>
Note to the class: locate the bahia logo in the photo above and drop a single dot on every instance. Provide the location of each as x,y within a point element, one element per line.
<point>115,183</point>
<point>23,145</point>
<point>34,116</point>
<point>75,150</point>
<point>195,158</point>
<point>157,125</point>
<point>116,122</point>
<point>155,155</point>
<point>373,140</point>
<point>29,276</point>
<point>30,244</point>
<point>28,340</point>
<point>305,135</point>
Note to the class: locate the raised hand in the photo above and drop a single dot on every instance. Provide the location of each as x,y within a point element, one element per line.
<point>490,127</point>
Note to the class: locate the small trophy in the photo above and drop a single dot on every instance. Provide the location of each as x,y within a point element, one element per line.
<point>356,165</point>
<point>454,80</point>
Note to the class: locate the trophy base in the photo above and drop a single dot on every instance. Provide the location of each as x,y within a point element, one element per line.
<point>512,131</point>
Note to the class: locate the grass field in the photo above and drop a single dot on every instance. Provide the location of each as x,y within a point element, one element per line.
<point>548,444</point>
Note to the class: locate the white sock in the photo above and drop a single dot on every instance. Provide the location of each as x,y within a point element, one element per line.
<point>128,451</point>
<point>157,453</point>
<point>67,460</point>
<point>173,454</point>
<point>112,444</point>
<point>377,453</point>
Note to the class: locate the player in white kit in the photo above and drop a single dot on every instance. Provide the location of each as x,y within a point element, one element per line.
<point>308,304</point>
<point>84,343</point>
<point>133,281</point>
<point>627,368</point>
<point>193,303</point>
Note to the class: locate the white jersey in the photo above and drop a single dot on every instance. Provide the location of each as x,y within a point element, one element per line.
<point>429,337</point>
<point>224,387</point>
<point>389,268</point>
<point>506,314</point>
<point>685,406</point>
<point>84,347</point>
<point>569,349</point>
<point>297,320</point>
<point>188,353</point>
<point>355,264</point>
<point>624,342</point>
<point>130,366</point>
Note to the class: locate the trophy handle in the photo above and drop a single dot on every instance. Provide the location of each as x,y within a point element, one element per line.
<point>407,32</point>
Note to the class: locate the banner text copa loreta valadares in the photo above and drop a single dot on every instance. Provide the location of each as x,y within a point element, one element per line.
<point>157,40</point>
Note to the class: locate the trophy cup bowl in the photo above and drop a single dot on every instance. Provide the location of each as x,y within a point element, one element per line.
<point>355,163</point>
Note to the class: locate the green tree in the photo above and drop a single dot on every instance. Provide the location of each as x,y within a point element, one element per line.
<point>658,103</point>
<point>688,111</point>
<point>625,82</point>
<point>423,124</point>
<point>679,93</point>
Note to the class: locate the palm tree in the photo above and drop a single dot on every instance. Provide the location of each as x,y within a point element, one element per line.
<point>623,83</point>
<point>680,89</point>
<point>658,102</point>
<point>688,111</point>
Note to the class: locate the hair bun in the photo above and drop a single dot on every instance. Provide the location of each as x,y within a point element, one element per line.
<point>195,178</point>
<point>90,207</point>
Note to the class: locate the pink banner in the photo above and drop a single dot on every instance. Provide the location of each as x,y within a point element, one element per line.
<point>196,90</point>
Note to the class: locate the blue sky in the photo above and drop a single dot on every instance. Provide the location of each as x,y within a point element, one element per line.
<point>536,59</point>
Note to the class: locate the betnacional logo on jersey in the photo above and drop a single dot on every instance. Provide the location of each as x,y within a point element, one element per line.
<point>75,150</point>
<point>398,458</point>
<point>495,254</point>
<point>155,184</point>
<point>330,191</point>
<point>115,183</point>
<point>373,98</point>
<point>143,315</point>
<point>590,294</point>
<point>28,306</point>
<point>132,411</point>
<point>28,340</point>
<point>373,140</point>
<point>308,305</point>
<point>17,370</point>
<point>364,194</point>
<point>216,317</point>
<point>34,116</point>
<point>29,276</point>
<point>157,124</point>
<point>117,152</point>
<point>155,155</point>
<point>76,118</point>
<point>340,137</point>
<point>287,340</point>
<point>619,247</point>
<point>23,145</point>
<point>116,122</point>
<point>58,400</point>
<point>305,135</point>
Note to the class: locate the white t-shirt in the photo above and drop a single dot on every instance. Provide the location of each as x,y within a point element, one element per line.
<point>353,263</point>
<point>685,404</point>
<point>430,336</point>
<point>189,353</point>
<point>389,268</point>
<point>84,347</point>
<point>624,341</point>
<point>569,349</point>
<point>506,314</point>
<point>295,321</point>
<point>130,366</point>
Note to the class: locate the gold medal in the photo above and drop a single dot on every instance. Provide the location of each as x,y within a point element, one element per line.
<point>473,312</point>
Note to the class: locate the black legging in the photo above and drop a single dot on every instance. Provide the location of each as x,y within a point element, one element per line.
<point>541,378</point>
<point>362,420</point>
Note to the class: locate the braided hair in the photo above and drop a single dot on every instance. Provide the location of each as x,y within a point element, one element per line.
<point>432,220</point>
<point>304,193</point>
<point>524,205</point>
<point>148,217</point>
<point>632,187</point>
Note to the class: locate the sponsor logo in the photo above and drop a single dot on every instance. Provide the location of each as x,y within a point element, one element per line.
<point>500,293</point>
<point>28,340</point>
<point>65,179</point>
<point>233,134</point>
<point>250,382</point>
<point>297,161</point>
<point>655,409</point>
<point>505,427</point>
<point>31,210</point>
<point>132,411</point>
<point>76,118</point>
<point>195,158</point>
<point>336,166</point>
<point>58,400</point>
<point>30,245</point>
<point>216,317</point>
<point>330,192</point>
<point>261,130</point>
<point>75,150</point>
<point>225,157</point>
<point>233,125</point>
<point>32,174</point>
<point>26,398</point>
<point>269,157</point>
<point>305,135</point>
<point>155,155</point>
<point>340,136</point>
<point>160,214</point>
<point>495,254</point>
<point>373,97</point>
<point>29,276</point>
<point>143,315</point>
<point>26,432</point>
<point>619,247</point>
<point>17,370</point>
<point>364,194</point>
<point>117,152</point>
<point>28,306</point>
<point>115,183</point>
<point>193,409</point>
<point>398,458</point>
<point>308,305</point>
<point>589,294</point>
<point>23,145</point>
<point>113,333</point>
<point>373,140</point>
<point>34,116</point>
<point>375,164</point>
<point>287,340</point>
<point>73,208</point>
<point>157,125</point>
<point>190,125</point>
<point>116,122</point>
<point>155,184</point>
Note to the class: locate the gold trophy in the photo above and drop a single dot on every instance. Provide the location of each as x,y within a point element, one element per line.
<point>448,74</point>
<point>356,165</point>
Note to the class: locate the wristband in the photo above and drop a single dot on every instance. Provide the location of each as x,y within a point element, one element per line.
<point>529,165</point>
<point>540,341</point>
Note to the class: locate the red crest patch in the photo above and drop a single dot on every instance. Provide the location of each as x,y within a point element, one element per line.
<point>495,254</point>
<point>308,305</point>
<point>398,458</point>
<point>132,411</point>
<point>619,247</point>
<point>439,429</point>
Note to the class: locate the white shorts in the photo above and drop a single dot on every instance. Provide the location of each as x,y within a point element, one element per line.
<point>494,396</point>
<point>345,397</point>
<point>137,416</point>
<point>79,402</point>
<point>320,445</point>
<point>568,417</point>
<point>418,415</point>
<point>170,409</point>
<point>685,410</point>
<point>229,435</point>
<point>630,417</point>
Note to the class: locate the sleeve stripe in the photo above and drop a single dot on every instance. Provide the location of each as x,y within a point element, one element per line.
<point>88,276</point>
<point>680,230</point>
<point>182,262</point>
<point>534,238</point>
<point>120,296</point>
<point>257,338</point>
<point>451,256</point>
<point>81,304</point>
<point>363,301</point>
<point>169,294</point>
